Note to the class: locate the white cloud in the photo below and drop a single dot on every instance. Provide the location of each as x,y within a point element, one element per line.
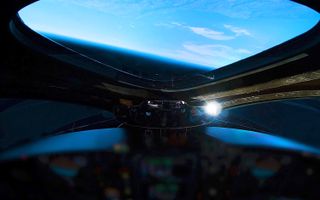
<point>237,30</point>
<point>205,32</point>
<point>212,55</point>
<point>211,34</point>
<point>195,58</point>
<point>244,51</point>
<point>176,24</point>
<point>214,50</point>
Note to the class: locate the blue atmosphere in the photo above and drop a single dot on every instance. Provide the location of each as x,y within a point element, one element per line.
<point>210,33</point>
<point>239,137</point>
<point>91,140</point>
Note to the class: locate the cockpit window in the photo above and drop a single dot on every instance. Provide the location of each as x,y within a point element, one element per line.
<point>189,36</point>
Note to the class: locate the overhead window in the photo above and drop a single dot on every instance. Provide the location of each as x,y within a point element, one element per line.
<point>207,34</point>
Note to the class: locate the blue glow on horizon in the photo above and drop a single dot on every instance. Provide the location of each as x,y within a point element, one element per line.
<point>81,141</point>
<point>185,64</point>
<point>247,138</point>
<point>211,33</point>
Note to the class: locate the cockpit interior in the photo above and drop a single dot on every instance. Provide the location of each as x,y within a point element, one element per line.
<point>190,99</point>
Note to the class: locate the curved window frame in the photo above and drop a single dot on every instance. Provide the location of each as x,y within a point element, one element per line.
<point>289,51</point>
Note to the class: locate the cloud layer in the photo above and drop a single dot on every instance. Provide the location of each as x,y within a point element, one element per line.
<point>212,55</point>
<point>211,34</point>
<point>237,30</point>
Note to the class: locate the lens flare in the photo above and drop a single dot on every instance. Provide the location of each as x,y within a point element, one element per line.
<point>213,108</point>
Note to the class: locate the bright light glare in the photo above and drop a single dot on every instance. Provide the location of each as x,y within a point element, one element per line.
<point>213,108</point>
